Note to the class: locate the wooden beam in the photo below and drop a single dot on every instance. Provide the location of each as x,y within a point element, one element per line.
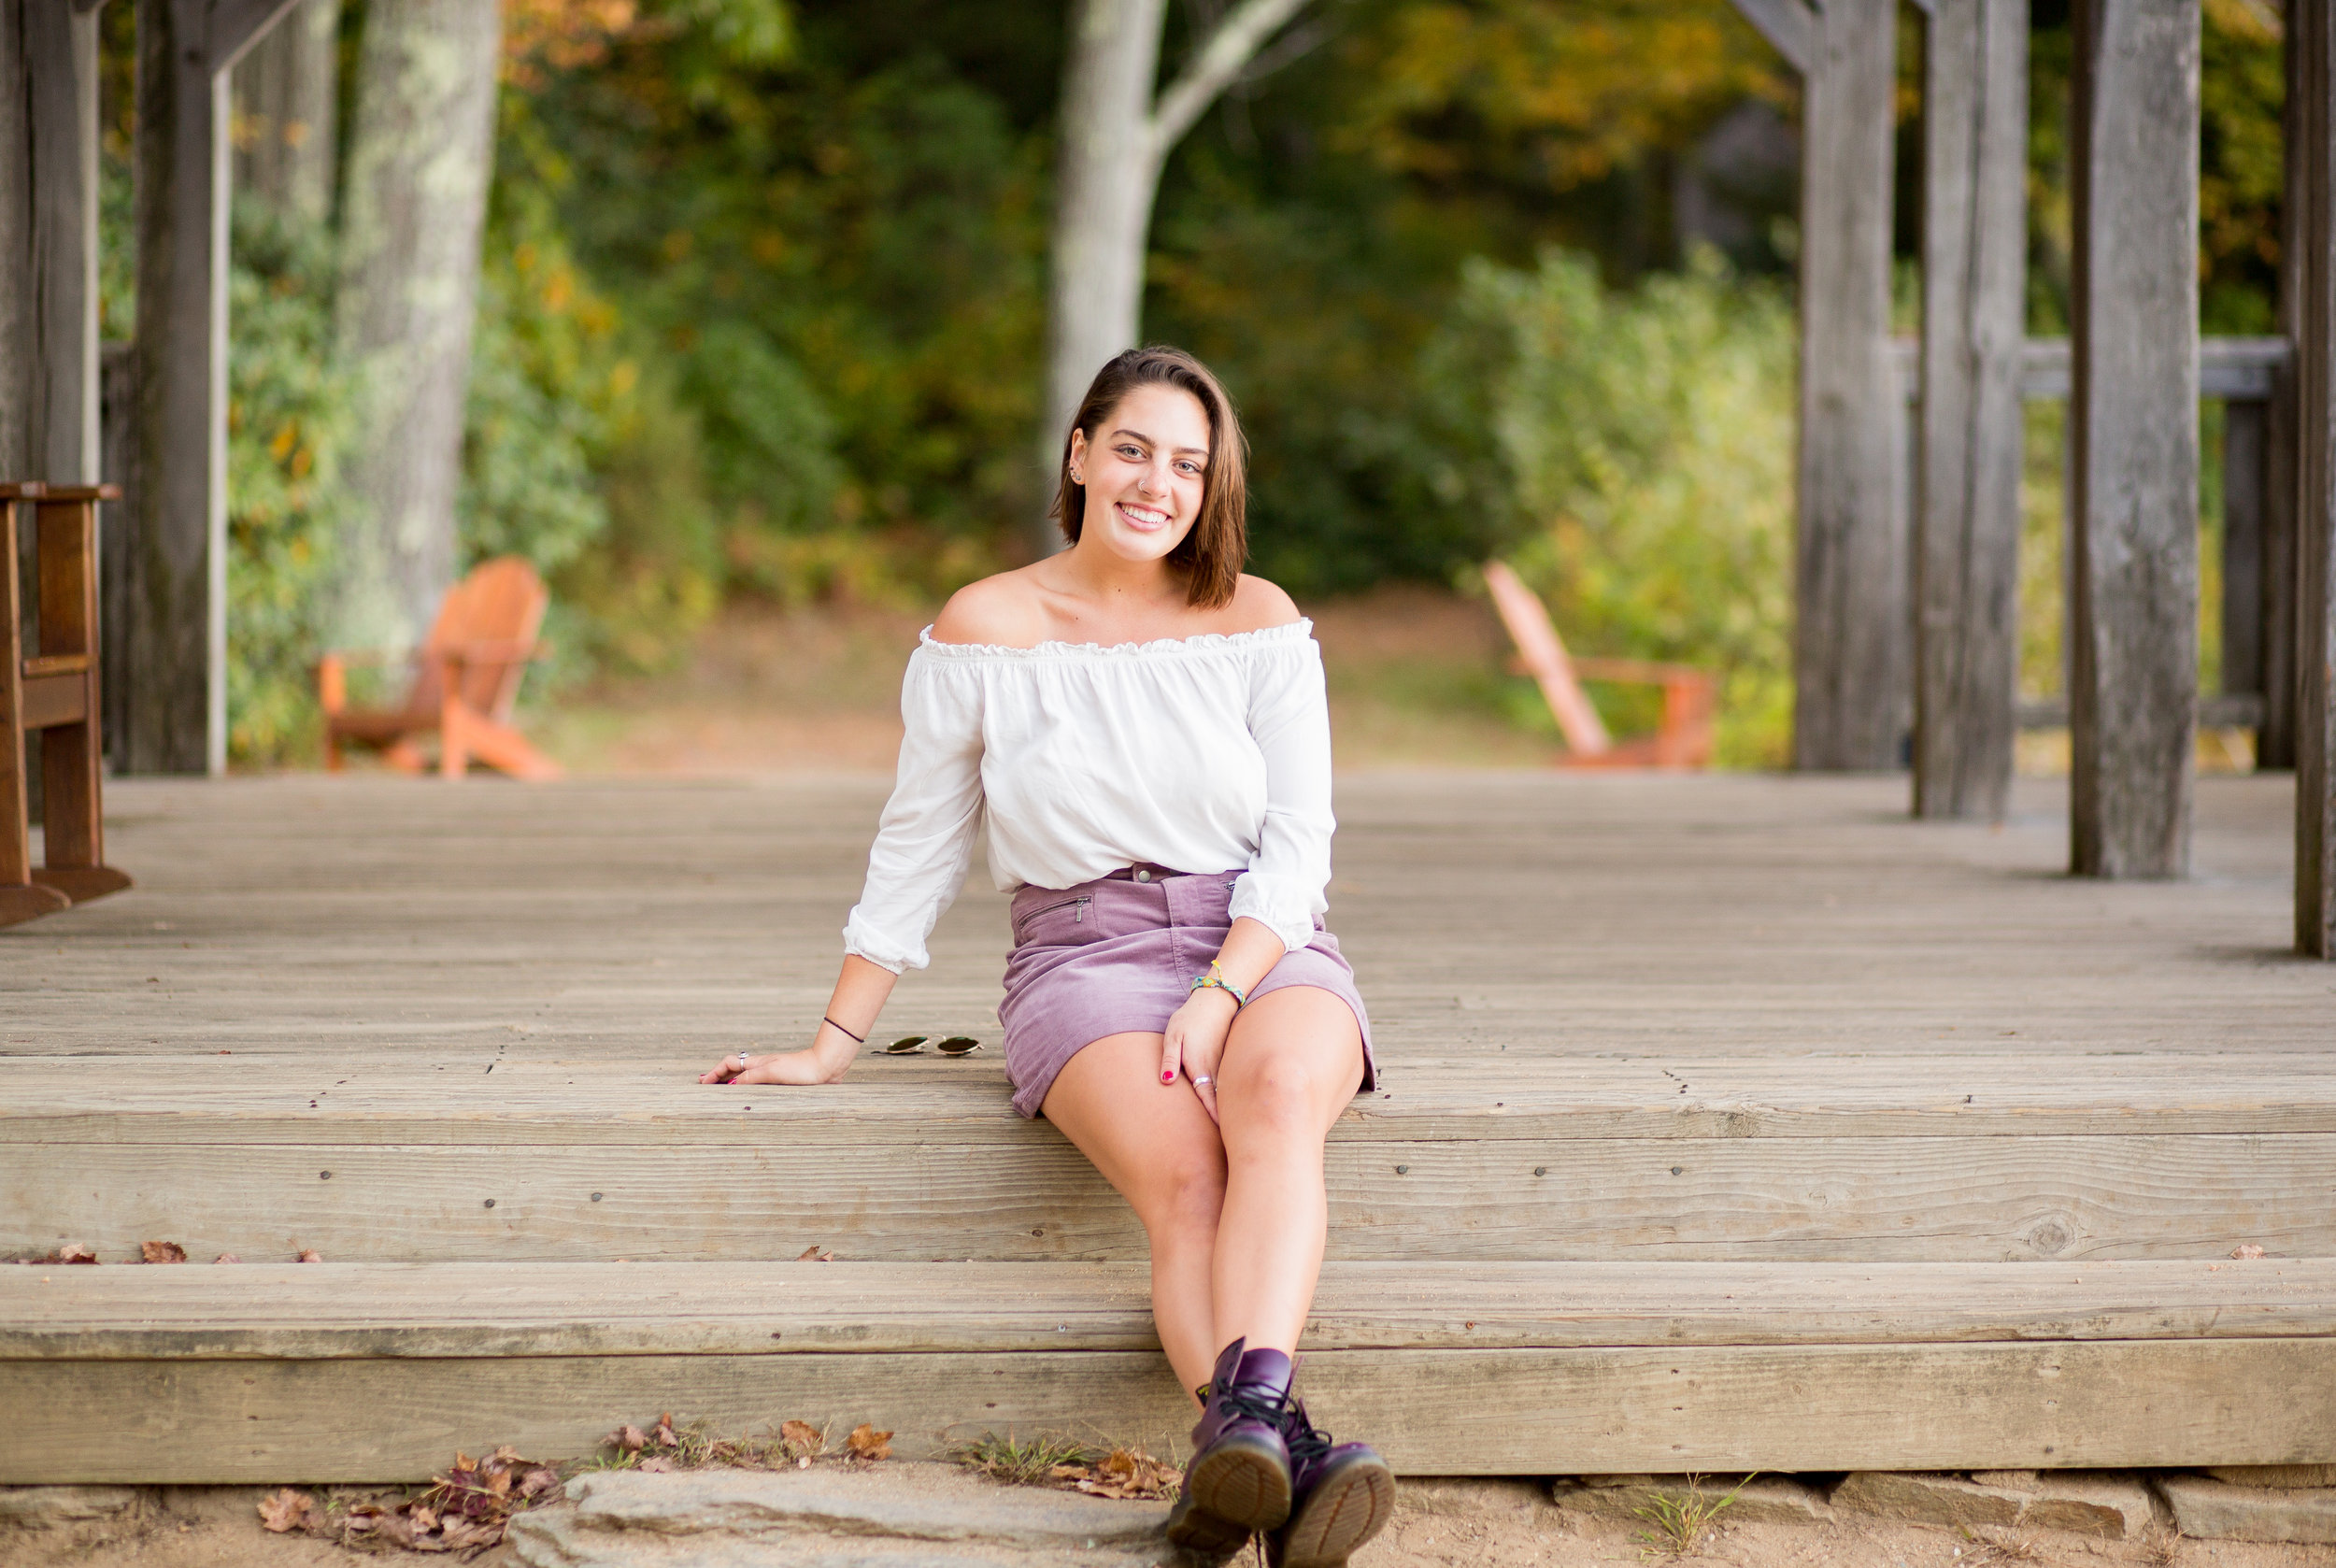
<point>2312,38</point>
<point>1788,25</point>
<point>1851,641</point>
<point>1967,517</point>
<point>176,695</point>
<point>2133,435</point>
<point>230,27</point>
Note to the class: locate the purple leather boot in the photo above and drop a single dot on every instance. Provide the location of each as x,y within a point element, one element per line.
<point>1343,1494</point>
<point>1238,1482</point>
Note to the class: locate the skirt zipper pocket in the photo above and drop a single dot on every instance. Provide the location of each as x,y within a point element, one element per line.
<point>1078,906</point>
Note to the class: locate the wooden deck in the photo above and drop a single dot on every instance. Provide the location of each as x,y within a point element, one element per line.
<point>1897,1146</point>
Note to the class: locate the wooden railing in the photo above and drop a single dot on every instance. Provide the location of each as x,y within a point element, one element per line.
<point>2243,373</point>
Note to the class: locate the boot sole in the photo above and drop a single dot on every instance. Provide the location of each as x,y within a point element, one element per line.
<point>1236,1490</point>
<point>1344,1509</point>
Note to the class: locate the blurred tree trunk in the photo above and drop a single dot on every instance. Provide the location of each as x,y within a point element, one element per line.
<point>420,145</point>
<point>286,100</point>
<point>1116,136</point>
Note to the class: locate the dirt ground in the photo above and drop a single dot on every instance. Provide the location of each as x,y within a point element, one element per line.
<point>1438,1524</point>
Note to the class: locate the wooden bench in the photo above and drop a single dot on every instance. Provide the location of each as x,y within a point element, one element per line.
<point>54,691</point>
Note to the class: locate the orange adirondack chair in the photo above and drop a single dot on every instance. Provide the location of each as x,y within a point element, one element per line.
<point>1684,740</point>
<point>466,675</point>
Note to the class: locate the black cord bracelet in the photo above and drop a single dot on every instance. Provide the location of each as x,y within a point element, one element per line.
<point>855,1039</point>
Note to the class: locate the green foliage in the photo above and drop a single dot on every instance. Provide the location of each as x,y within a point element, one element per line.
<point>288,421</point>
<point>1646,437</point>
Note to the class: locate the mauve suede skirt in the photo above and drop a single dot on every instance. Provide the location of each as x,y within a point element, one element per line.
<point>1117,956</point>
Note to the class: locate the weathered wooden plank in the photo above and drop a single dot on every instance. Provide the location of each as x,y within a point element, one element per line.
<point>370,1311</point>
<point>1851,639</point>
<point>2109,1403</point>
<point>2134,433</point>
<point>1809,1199</point>
<point>1967,517</point>
<point>2314,41</point>
<point>176,679</point>
<point>886,1101</point>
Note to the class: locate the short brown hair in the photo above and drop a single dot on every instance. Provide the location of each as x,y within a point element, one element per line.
<point>1211,556</point>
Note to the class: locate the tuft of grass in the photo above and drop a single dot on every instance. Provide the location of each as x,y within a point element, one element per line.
<point>1023,1460</point>
<point>1677,1523</point>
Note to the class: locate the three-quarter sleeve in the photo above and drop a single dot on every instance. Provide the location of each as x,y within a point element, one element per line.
<point>926,836</point>
<point>1290,719</point>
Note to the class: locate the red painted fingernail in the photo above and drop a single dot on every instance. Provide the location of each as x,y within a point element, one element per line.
<point>1167,1077</point>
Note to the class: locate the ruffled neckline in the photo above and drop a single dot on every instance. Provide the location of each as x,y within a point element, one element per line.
<point>1293,632</point>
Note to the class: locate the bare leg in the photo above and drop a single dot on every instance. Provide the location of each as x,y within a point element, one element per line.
<point>1292,1065</point>
<point>1158,1147</point>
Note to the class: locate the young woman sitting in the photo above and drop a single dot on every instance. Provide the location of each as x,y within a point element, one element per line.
<point>1143,729</point>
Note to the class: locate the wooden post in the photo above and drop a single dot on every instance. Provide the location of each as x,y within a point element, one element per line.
<point>1967,520</point>
<point>176,680</point>
<point>175,698</point>
<point>2275,739</point>
<point>2133,434</point>
<point>2246,425</point>
<point>1850,644</point>
<point>2312,158</point>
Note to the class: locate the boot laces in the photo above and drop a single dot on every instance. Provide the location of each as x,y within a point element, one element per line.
<point>1257,1401</point>
<point>1304,1440</point>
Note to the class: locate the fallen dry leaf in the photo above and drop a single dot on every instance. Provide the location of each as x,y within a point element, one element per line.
<point>2250,1250</point>
<point>288,1510</point>
<point>663,1433</point>
<point>161,1253</point>
<point>655,1464</point>
<point>310,1255</point>
<point>802,1440</point>
<point>1122,1473</point>
<point>72,1253</point>
<point>868,1444</point>
<point>227,1258</point>
<point>628,1439</point>
<point>813,1255</point>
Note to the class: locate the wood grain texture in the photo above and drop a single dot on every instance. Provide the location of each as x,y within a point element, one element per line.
<point>2096,1403</point>
<point>1846,1199</point>
<point>2133,434</point>
<point>1851,639</point>
<point>366,1311</point>
<point>1967,515</point>
<point>2313,156</point>
<point>175,673</point>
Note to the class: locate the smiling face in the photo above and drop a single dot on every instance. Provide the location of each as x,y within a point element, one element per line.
<point>1144,473</point>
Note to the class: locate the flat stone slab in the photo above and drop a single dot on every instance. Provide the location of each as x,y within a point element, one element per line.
<point>2284,1476</point>
<point>894,1515</point>
<point>38,1507</point>
<point>2218,1511</point>
<point>2110,1504</point>
<point>1763,1499</point>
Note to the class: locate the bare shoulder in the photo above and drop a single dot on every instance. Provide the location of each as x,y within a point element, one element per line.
<point>1258,605</point>
<point>1002,611</point>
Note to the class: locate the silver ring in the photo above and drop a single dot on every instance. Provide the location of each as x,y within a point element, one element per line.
<point>1201,1079</point>
<point>742,1061</point>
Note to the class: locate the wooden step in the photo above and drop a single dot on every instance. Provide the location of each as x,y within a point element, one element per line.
<point>377,1371</point>
<point>1816,1157</point>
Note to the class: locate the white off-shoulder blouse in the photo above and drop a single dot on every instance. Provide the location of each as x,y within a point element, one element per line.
<point>1208,754</point>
